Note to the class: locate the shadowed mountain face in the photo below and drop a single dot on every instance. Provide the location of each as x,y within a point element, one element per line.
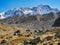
<point>57,23</point>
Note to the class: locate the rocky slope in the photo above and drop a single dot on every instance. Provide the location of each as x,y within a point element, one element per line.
<point>41,17</point>
<point>38,21</point>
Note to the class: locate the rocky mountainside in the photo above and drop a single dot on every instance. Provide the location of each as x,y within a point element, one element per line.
<point>41,17</point>
<point>38,21</point>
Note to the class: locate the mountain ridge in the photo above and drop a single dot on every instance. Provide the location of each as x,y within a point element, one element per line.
<point>40,9</point>
<point>23,17</point>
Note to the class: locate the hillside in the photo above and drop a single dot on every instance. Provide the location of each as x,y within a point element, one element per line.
<point>38,21</point>
<point>16,35</point>
<point>38,25</point>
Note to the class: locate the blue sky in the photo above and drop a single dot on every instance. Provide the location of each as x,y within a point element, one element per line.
<point>10,4</point>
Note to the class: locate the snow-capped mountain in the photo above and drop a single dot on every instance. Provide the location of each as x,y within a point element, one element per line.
<point>40,9</point>
<point>44,9</point>
<point>13,12</point>
<point>2,15</point>
<point>27,11</point>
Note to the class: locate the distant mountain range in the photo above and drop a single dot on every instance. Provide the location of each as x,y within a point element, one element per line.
<point>40,9</point>
<point>41,17</point>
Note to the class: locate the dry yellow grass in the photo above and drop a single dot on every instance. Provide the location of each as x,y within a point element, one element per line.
<point>5,27</point>
<point>18,40</point>
<point>7,31</point>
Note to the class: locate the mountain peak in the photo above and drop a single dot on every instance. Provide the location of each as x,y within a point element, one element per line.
<point>40,9</point>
